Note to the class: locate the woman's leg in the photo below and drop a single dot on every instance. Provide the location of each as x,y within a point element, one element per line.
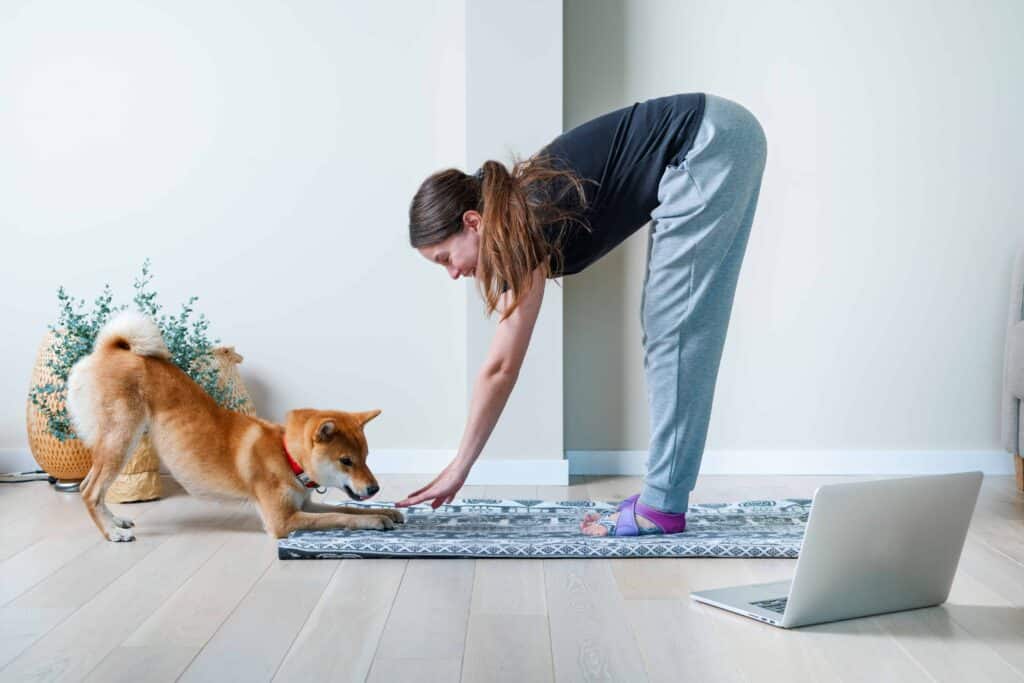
<point>695,248</point>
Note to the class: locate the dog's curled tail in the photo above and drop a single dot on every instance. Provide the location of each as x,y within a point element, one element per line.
<point>133,332</point>
<point>86,399</point>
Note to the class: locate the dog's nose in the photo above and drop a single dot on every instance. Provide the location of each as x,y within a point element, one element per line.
<point>371,490</point>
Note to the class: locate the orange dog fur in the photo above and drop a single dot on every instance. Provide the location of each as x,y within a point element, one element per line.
<point>128,385</point>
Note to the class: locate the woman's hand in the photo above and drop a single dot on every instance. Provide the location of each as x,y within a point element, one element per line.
<point>442,489</point>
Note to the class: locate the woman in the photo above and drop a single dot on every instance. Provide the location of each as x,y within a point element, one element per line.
<point>692,164</point>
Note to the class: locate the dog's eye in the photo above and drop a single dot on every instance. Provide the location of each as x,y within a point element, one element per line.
<point>347,462</point>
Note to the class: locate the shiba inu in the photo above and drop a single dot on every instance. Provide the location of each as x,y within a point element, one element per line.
<point>128,386</point>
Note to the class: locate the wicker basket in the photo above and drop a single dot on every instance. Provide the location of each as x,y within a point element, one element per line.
<point>140,478</point>
<point>228,360</point>
<point>61,459</point>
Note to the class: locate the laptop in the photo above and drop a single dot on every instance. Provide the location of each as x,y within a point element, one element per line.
<point>870,547</point>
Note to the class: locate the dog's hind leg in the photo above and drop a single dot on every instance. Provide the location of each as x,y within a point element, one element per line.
<point>108,459</point>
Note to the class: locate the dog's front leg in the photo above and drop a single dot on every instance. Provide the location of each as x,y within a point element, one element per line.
<point>332,520</point>
<point>282,514</point>
<point>395,515</point>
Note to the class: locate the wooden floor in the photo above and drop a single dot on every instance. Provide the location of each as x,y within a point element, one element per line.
<point>201,596</point>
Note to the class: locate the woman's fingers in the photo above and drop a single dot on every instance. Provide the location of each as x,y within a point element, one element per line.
<point>419,495</point>
<point>442,490</point>
<point>412,499</point>
<point>423,488</point>
<point>423,494</point>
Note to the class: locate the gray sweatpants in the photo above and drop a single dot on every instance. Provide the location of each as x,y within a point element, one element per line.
<point>694,251</point>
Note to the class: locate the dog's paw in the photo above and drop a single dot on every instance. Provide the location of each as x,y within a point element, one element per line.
<point>396,516</point>
<point>120,535</point>
<point>123,522</point>
<point>376,522</point>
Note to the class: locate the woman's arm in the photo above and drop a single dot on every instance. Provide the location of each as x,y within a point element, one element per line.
<point>491,390</point>
<point>500,370</point>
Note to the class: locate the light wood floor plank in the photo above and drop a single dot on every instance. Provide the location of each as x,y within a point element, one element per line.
<point>507,647</point>
<point>75,646</point>
<point>508,586</point>
<point>30,524</point>
<point>78,581</point>
<point>584,612</point>
<point>510,492</point>
<point>343,632</point>
<point>70,539</point>
<point>576,490</point>
<point>943,648</point>
<point>193,614</point>
<point>22,626</point>
<point>24,497</point>
<point>149,663</point>
<point>433,670</point>
<point>508,635</point>
<point>251,644</point>
<point>988,617</point>
<point>429,617</point>
<point>1000,573</point>
<point>678,643</point>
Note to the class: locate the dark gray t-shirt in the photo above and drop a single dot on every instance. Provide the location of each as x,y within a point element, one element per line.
<point>625,152</point>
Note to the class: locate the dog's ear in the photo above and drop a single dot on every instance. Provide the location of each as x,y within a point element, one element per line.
<point>363,418</point>
<point>325,431</point>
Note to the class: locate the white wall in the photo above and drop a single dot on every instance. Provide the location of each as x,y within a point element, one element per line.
<point>871,306</point>
<point>516,47</point>
<point>264,155</point>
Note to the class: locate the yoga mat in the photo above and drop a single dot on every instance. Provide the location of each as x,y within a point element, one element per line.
<point>482,527</point>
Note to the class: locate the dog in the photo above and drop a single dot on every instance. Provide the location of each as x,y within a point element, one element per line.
<point>128,385</point>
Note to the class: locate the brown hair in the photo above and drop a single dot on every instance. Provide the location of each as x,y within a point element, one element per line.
<point>515,205</point>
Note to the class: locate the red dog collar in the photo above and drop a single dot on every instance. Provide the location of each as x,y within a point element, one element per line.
<point>297,469</point>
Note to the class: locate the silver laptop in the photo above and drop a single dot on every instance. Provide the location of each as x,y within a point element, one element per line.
<point>869,548</point>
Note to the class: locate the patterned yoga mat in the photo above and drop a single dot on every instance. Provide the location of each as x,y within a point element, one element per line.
<point>481,527</point>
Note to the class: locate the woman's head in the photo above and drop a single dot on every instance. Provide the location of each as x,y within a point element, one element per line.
<point>490,225</point>
<point>444,224</point>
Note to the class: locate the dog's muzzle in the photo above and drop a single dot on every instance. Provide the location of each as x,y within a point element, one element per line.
<point>353,495</point>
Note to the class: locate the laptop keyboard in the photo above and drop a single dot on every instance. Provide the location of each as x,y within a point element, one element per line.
<point>773,605</point>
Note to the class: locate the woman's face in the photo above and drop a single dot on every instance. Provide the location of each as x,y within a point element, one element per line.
<point>458,253</point>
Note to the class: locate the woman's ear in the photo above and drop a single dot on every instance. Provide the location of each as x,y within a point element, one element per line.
<point>471,220</point>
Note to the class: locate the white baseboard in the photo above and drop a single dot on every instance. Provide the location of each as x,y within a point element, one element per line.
<point>16,460</point>
<point>549,472</point>
<point>486,472</point>
<point>546,472</point>
<point>789,462</point>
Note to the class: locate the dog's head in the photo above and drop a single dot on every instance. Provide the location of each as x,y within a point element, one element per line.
<point>333,449</point>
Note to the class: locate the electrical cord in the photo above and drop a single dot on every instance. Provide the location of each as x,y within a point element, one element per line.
<point>22,477</point>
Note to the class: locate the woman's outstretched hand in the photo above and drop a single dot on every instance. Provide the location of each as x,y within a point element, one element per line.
<point>442,489</point>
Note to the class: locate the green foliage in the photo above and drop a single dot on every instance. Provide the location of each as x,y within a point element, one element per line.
<point>75,332</point>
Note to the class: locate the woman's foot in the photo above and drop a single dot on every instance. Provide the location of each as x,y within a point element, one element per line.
<point>655,522</point>
<point>594,524</point>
